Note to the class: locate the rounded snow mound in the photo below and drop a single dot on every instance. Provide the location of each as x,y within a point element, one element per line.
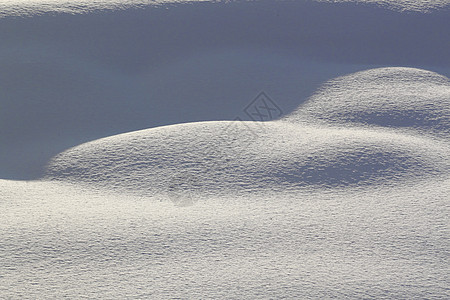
<point>402,98</point>
<point>234,156</point>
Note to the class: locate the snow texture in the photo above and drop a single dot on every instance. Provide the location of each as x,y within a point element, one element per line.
<point>400,98</point>
<point>403,5</point>
<point>160,171</point>
<point>64,77</point>
<point>37,7</point>
<point>63,242</point>
<point>225,157</point>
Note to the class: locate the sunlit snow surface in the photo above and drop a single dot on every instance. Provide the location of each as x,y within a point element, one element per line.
<point>346,195</point>
<point>384,126</point>
<point>60,242</point>
<point>32,7</point>
<point>238,210</point>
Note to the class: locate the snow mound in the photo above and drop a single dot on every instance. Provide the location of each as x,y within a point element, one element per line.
<point>400,98</point>
<point>71,66</point>
<point>36,7</point>
<point>232,156</point>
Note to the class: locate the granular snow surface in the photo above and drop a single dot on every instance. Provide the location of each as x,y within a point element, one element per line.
<point>224,149</point>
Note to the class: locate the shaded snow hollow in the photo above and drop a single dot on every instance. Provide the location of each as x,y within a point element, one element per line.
<point>326,143</point>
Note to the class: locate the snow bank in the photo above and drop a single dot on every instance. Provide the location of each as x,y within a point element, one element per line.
<point>75,71</point>
<point>34,7</point>
<point>279,157</point>
<point>228,157</point>
<point>399,98</point>
<point>344,197</point>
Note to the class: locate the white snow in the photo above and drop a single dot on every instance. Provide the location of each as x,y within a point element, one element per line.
<point>36,7</point>
<point>64,77</point>
<point>402,98</point>
<point>152,178</point>
<point>404,5</point>
<point>63,242</point>
<point>227,157</point>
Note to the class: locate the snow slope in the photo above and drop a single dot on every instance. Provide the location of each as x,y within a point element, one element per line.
<point>225,157</point>
<point>409,99</point>
<point>403,5</point>
<point>34,7</point>
<point>63,242</point>
<point>64,76</point>
<point>153,179</point>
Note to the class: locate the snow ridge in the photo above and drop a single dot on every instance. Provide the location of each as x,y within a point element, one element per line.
<point>64,77</point>
<point>38,7</point>
<point>235,156</point>
<point>407,99</point>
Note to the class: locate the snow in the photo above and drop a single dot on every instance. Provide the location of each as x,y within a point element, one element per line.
<point>64,77</point>
<point>36,7</point>
<point>403,5</point>
<point>227,157</point>
<point>400,98</point>
<point>60,241</point>
<point>134,163</point>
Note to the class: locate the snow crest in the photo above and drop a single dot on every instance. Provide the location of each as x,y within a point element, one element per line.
<point>229,156</point>
<point>402,98</point>
<point>37,7</point>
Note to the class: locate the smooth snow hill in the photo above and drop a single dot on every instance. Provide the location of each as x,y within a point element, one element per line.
<point>76,71</point>
<point>346,196</point>
<point>228,157</point>
<point>236,156</point>
<point>406,99</point>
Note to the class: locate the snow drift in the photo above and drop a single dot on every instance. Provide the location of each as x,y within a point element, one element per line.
<point>37,7</point>
<point>225,157</point>
<point>76,71</point>
<point>405,99</point>
<point>280,157</point>
<point>122,109</point>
